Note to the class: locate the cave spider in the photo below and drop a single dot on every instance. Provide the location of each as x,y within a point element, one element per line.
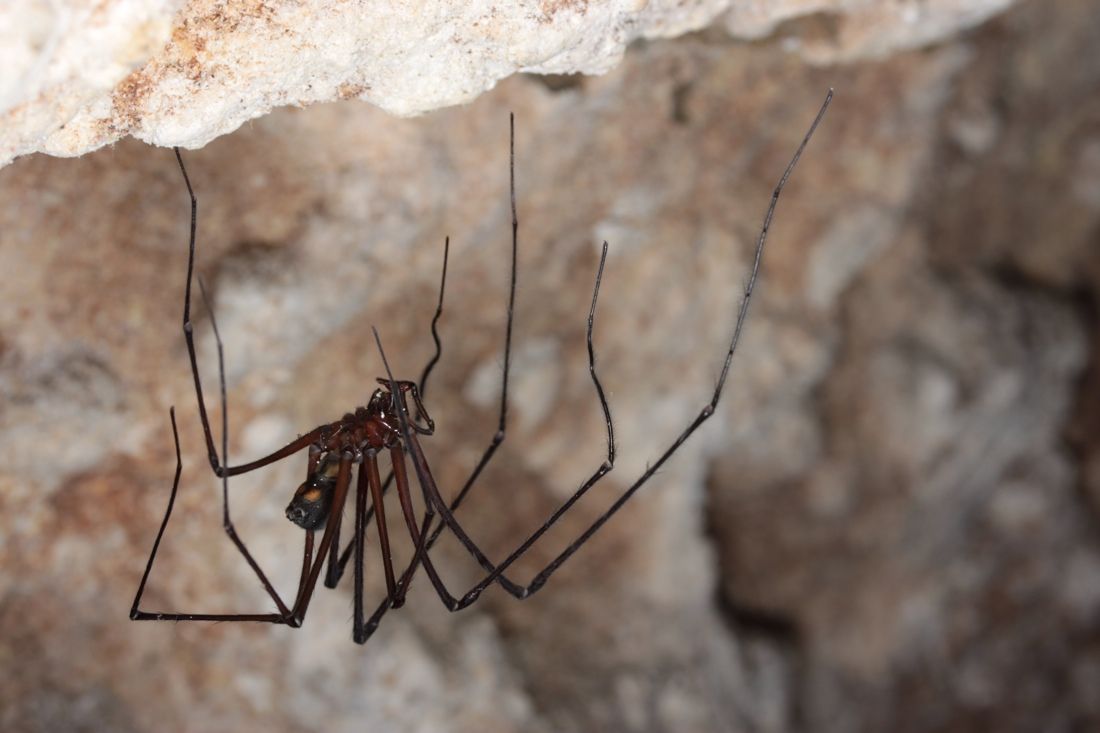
<point>352,444</point>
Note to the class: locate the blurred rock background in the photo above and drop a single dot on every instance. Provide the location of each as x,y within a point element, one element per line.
<point>893,523</point>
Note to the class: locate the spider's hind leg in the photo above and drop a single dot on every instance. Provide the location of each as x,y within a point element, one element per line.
<point>136,614</point>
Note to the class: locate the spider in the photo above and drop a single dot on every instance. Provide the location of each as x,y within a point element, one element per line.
<point>353,443</point>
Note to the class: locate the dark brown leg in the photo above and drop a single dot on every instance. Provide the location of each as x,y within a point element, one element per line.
<point>363,631</point>
<point>435,321</point>
<point>434,499</point>
<point>137,614</point>
<point>227,522</point>
<point>431,490</point>
<point>499,436</point>
<point>339,498</point>
<point>359,542</point>
<point>332,576</point>
<point>502,419</point>
<point>380,520</point>
<point>447,512</point>
<point>189,337</point>
<point>307,560</point>
<point>311,467</point>
<point>395,594</point>
<point>402,585</point>
<point>427,372</point>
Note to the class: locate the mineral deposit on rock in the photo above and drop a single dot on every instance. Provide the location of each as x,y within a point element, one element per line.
<point>79,75</point>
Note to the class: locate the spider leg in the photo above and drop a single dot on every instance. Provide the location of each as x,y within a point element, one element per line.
<point>380,519</point>
<point>397,458</point>
<point>362,630</point>
<point>433,496</point>
<point>428,368</point>
<point>136,614</point>
<point>368,474</point>
<point>332,574</point>
<point>498,438</point>
<point>311,468</point>
<point>707,411</point>
<point>419,538</point>
<point>432,493</point>
<point>432,500</point>
<point>358,543</point>
<point>227,522</point>
<point>419,555</point>
<point>339,498</point>
<point>502,422</point>
<point>446,513</point>
<point>435,321</point>
<point>284,615</point>
<point>189,338</point>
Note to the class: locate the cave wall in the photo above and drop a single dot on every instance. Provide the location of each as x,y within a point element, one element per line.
<point>890,524</point>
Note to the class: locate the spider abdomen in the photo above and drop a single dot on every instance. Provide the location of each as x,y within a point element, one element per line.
<point>311,503</point>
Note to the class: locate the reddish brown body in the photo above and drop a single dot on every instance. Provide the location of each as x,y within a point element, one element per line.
<point>365,432</point>
<point>344,453</point>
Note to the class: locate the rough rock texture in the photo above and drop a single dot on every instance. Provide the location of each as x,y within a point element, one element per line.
<point>79,75</point>
<point>828,31</point>
<point>893,523</point>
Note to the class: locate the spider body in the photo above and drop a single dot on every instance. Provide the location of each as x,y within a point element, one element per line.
<point>350,447</point>
<point>368,430</point>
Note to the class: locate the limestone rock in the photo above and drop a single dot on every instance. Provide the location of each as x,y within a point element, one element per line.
<point>80,75</point>
<point>829,31</point>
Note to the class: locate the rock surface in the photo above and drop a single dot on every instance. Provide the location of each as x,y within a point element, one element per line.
<point>80,75</point>
<point>893,522</point>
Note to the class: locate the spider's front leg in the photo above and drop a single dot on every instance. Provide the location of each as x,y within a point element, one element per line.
<point>433,497</point>
<point>310,568</point>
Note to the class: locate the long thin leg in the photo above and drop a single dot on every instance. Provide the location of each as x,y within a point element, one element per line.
<point>435,321</point>
<point>418,535</point>
<point>498,437</point>
<point>189,337</point>
<point>307,560</point>
<point>331,575</point>
<point>402,586</point>
<point>136,614</point>
<point>502,419</point>
<point>227,522</point>
<point>311,467</point>
<point>433,497</point>
<point>395,597</point>
<point>368,474</point>
<point>423,385</point>
<point>383,532</point>
<point>358,543</point>
<point>339,498</point>
<point>285,615</point>
<point>397,458</point>
<point>428,484</point>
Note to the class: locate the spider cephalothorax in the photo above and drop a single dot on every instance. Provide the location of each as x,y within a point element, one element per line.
<point>369,429</point>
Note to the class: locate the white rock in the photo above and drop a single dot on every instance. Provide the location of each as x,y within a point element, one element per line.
<point>858,29</point>
<point>79,75</point>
